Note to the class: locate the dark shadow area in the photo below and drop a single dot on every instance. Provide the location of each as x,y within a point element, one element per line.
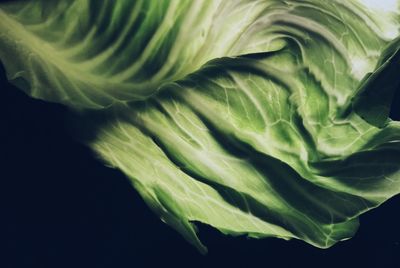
<point>60,207</point>
<point>395,107</point>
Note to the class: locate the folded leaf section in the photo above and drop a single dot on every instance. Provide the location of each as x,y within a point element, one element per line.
<point>237,129</point>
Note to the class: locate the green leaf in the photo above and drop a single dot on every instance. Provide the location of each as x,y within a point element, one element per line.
<point>91,54</point>
<point>375,96</point>
<point>207,145</point>
<point>259,118</point>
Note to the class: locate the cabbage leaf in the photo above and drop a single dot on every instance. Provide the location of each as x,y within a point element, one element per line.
<point>261,118</point>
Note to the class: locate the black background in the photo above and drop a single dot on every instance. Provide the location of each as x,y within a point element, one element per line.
<point>60,207</point>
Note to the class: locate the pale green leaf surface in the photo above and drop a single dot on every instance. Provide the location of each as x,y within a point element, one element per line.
<point>259,118</point>
<point>272,169</point>
<point>91,54</point>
